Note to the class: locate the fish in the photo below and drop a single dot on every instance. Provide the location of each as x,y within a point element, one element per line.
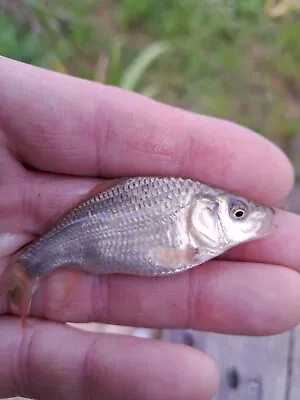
<point>143,226</point>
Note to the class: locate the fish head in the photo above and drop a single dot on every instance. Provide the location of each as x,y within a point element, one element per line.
<point>223,221</point>
<point>241,220</point>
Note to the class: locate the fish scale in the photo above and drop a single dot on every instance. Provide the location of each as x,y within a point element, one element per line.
<point>109,223</point>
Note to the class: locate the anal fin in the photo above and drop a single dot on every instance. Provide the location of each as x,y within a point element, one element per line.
<point>74,278</point>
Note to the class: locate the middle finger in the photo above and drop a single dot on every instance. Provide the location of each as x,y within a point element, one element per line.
<point>219,296</point>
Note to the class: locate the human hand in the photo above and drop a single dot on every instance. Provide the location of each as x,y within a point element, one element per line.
<point>60,134</point>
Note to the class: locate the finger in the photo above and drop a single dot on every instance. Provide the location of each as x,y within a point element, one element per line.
<point>10,168</point>
<point>48,360</point>
<point>281,247</point>
<point>30,206</point>
<point>72,126</point>
<point>227,297</point>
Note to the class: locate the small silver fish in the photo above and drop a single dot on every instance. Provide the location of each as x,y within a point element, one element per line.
<point>147,226</point>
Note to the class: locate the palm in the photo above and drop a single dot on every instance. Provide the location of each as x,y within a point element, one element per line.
<point>52,147</point>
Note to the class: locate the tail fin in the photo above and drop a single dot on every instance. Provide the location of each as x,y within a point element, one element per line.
<point>5,280</point>
<point>20,287</point>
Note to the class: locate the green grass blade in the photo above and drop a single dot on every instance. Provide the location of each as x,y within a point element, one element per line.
<point>136,69</point>
<point>113,75</point>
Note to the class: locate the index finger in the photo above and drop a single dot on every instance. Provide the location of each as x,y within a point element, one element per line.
<point>62,124</point>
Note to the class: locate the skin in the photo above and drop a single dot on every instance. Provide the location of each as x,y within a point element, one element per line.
<point>60,135</point>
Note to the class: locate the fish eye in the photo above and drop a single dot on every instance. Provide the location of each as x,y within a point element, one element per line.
<point>238,210</point>
<point>239,213</point>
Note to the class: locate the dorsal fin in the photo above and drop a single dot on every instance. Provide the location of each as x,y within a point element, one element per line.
<point>98,188</point>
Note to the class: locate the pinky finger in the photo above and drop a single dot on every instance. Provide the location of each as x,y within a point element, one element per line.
<point>49,360</point>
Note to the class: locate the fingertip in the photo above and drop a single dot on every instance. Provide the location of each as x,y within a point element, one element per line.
<point>202,371</point>
<point>239,160</point>
<point>284,176</point>
<point>156,370</point>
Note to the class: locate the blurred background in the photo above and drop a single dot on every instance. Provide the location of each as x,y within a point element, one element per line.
<point>234,59</point>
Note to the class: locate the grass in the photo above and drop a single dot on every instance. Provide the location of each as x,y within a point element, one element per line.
<point>228,58</point>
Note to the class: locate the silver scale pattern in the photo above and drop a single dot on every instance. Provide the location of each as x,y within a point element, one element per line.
<point>113,231</point>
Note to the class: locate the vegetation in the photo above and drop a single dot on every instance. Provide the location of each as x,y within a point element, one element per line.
<point>235,59</point>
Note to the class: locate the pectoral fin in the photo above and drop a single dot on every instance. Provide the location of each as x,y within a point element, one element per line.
<point>171,257</point>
